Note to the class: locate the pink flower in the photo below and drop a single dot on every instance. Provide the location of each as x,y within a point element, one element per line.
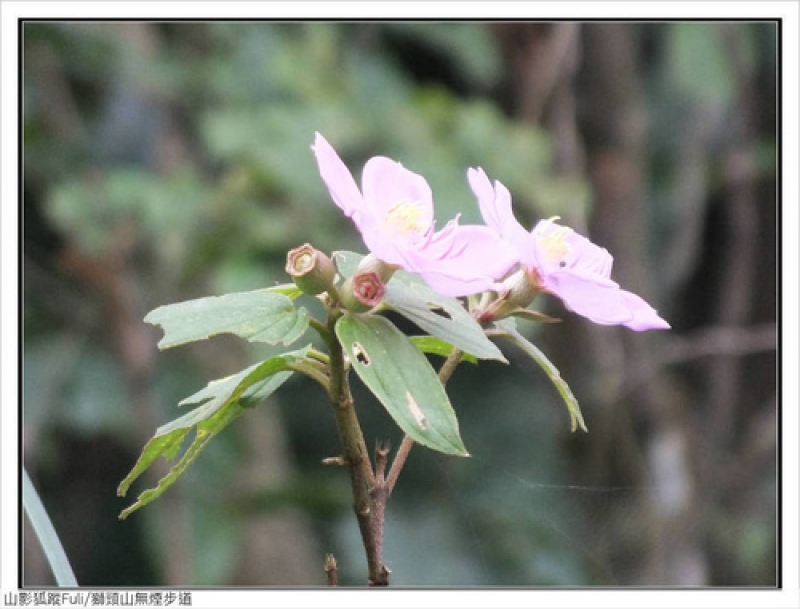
<point>564,263</point>
<point>394,213</point>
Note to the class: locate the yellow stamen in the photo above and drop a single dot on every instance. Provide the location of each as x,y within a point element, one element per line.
<point>554,246</point>
<point>404,218</point>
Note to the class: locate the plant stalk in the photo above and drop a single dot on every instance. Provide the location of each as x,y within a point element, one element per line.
<point>371,490</point>
<point>362,478</point>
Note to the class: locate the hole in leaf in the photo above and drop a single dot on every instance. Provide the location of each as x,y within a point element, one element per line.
<point>360,354</point>
<point>439,311</point>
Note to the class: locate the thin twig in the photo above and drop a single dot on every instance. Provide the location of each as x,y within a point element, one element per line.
<point>331,570</point>
<point>313,370</point>
<point>381,454</point>
<point>319,356</point>
<point>399,461</point>
<point>450,365</point>
<point>720,340</point>
<point>321,329</point>
<point>708,342</point>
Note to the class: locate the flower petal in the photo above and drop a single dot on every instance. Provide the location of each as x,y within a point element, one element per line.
<point>597,301</point>
<point>495,205</point>
<point>587,256</point>
<point>604,303</point>
<point>463,260</point>
<point>468,250</point>
<point>645,317</point>
<point>338,179</point>
<point>348,197</point>
<point>387,183</point>
<point>456,287</point>
<point>559,248</point>
<point>384,246</point>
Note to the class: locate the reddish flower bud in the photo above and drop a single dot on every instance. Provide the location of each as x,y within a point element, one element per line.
<point>362,291</point>
<point>371,263</point>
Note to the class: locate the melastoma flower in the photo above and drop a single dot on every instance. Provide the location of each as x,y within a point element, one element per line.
<point>393,210</point>
<point>564,263</point>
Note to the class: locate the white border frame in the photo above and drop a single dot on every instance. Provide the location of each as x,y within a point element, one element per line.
<point>586,597</point>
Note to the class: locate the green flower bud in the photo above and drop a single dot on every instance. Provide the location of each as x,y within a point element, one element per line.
<point>311,270</point>
<point>362,291</point>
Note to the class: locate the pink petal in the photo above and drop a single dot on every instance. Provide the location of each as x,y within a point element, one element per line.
<point>482,187</point>
<point>347,196</point>
<point>601,303</point>
<point>386,183</point>
<point>383,246</point>
<point>587,256</point>
<point>338,179</point>
<point>466,260</point>
<point>582,274</point>
<point>644,316</point>
<point>495,205</point>
<point>472,251</point>
<point>580,255</point>
<point>458,286</point>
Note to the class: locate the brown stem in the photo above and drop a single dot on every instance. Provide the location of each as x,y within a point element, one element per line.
<point>331,570</point>
<point>381,454</point>
<point>369,516</point>
<point>398,463</point>
<point>371,490</point>
<point>450,365</point>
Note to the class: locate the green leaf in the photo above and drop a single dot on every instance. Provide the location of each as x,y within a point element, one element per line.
<point>440,316</point>
<point>402,379</point>
<point>346,262</point>
<point>290,290</point>
<point>258,316</point>
<point>224,400</point>
<point>449,322</point>
<point>508,329</point>
<point>436,346</point>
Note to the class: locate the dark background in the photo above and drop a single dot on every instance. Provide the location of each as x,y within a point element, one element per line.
<point>168,161</point>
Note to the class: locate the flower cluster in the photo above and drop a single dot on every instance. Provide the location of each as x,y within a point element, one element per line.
<point>393,210</point>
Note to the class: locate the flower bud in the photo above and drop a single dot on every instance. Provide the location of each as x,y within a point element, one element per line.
<point>362,291</point>
<point>372,264</point>
<point>311,270</point>
<point>519,293</point>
